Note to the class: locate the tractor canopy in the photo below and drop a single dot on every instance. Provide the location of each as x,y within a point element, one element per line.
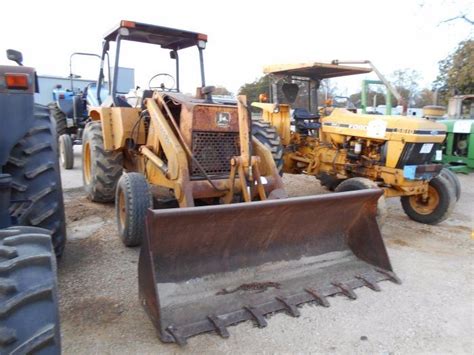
<point>314,70</point>
<point>167,38</point>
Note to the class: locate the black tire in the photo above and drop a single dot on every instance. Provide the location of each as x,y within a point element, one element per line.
<point>36,180</point>
<point>441,210</point>
<point>101,169</point>
<point>359,183</point>
<point>132,201</point>
<point>328,181</point>
<point>268,136</point>
<point>29,315</point>
<point>453,179</point>
<point>66,151</point>
<point>59,117</point>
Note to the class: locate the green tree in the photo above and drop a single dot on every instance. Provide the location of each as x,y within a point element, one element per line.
<point>221,90</point>
<point>424,98</point>
<point>379,93</point>
<point>406,82</point>
<point>456,72</point>
<point>254,89</point>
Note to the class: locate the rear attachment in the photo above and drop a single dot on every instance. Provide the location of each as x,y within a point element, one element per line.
<point>203,269</point>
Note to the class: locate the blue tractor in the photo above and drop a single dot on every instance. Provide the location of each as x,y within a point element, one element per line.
<point>69,110</point>
<point>32,222</point>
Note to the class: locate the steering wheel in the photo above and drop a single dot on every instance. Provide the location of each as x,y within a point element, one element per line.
<point>163,85</point>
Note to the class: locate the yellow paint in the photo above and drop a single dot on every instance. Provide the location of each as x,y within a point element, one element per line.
<point>118,124</point>
<point>279,117</point>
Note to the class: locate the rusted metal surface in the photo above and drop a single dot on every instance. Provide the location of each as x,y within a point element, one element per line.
<point>215,118</point>
<point>305,248</point>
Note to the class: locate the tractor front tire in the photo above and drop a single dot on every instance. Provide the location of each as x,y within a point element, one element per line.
<point>59,117</point>
<point>436,208</point>
<point>29,316</point>
<point>359,183</point>
<point>132,201</point>
<point>328,181</point>
<point>266,134</point>
<point>36,180</point>
<point>101,169</point>
<point>66,151</point>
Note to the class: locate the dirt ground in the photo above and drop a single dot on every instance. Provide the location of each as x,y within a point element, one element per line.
<point>431,312</point>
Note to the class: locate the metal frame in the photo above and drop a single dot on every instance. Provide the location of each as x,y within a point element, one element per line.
<point>364,95</point>
<point>71,75</point>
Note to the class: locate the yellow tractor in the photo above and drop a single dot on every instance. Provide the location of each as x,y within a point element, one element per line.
<point>213,261</point>
<point>349,151</point>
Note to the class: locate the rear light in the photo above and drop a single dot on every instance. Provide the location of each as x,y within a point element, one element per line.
<point>129,24</point>
<point>202,36</point>
<point>17,81</point>
<point>61,96</point>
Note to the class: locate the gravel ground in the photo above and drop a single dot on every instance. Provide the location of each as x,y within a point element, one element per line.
<point>431,312</point>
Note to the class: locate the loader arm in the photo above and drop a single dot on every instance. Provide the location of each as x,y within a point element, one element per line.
<point>162,136</point>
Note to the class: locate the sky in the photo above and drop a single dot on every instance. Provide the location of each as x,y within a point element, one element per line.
<point>243,36</point>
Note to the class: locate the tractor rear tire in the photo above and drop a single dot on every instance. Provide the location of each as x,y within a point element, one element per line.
<point>328,181</point>
<point>359,183</point>
<point>29,315</point>
<point>268,136</point>
<point>59,117</point>
<point>101,169</point>
<point>66,151</point>
<point>36,180</point>
<point>439,205</point>
<point>132,201</point>
<point>453,179</point>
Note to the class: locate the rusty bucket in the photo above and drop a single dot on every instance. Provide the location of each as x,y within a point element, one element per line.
<point>202,269</point>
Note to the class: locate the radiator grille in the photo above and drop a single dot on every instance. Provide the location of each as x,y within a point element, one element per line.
<point>213,150</point>
<point>411,155</point>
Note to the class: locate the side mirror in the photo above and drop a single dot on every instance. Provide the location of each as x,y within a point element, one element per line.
<point>15,56</point>
<point>173,55</point>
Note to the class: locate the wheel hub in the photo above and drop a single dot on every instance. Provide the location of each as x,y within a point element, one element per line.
<point>426,205</point>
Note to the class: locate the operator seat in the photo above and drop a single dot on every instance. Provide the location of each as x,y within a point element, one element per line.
<point>305,121</point>
<point>78,106</point>
<point>121,101</point>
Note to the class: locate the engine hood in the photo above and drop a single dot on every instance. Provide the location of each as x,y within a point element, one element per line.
<point>344,122</point>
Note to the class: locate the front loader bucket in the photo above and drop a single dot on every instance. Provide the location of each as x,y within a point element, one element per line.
<point>202,269</point>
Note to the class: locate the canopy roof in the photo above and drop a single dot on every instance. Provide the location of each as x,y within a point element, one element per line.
<point>166,37</point>
<point>315,70</point>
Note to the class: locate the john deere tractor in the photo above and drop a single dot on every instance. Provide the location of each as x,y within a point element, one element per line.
<point>349,151</point>
<point>234,218</point>
<point>458,150</point>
